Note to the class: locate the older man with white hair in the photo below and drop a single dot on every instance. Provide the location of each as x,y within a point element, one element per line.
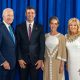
<point>7,46</point>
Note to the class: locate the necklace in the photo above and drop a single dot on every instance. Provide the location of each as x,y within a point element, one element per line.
<point>71,38</point>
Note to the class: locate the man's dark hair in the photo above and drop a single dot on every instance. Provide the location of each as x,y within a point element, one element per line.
<point>30,7</point>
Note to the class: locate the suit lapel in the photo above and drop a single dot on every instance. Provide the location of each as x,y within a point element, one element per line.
<point>7,32</point>
<point>33,31</point>
<point>25,30</point>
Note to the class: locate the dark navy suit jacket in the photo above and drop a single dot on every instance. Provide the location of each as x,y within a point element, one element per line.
<point>7,47</point>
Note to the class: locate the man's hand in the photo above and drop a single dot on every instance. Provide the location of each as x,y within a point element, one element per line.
<point>22,63</point>
<point>42,67</point>
<point>6,65</point>
<point>39,64</point>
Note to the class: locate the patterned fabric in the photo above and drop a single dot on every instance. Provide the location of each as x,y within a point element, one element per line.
<point>55,52</point>
<point>11,33</point>
<point>73,49</point>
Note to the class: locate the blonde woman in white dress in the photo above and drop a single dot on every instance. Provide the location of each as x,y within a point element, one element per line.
<point>73,49</point>
<point>55,52</point>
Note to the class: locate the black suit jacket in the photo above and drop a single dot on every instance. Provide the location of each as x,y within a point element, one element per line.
<point>33,49</point>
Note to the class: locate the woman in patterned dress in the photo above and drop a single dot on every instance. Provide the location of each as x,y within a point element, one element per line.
<point>55,52</point>
<point>73,49</point>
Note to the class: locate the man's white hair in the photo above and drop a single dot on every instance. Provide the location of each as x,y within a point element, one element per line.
<point>4,11</point>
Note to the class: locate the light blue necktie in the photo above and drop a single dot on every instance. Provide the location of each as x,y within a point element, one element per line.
<point>11,33</point>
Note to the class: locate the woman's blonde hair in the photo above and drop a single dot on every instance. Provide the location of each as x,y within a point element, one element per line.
<point>79,26</point>
<point>74,20</point>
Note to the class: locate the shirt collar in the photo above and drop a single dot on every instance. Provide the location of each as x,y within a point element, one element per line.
<point>32,23</point>
<point>7,25</point>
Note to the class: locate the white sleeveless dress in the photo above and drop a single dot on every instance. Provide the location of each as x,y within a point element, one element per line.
<point>73,49</point>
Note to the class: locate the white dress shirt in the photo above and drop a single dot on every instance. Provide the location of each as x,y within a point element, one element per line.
<point>7,25</point>
<point>27,24</point>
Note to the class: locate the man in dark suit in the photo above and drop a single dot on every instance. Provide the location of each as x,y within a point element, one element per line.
<point>7,46</point>
<point>30,46</point>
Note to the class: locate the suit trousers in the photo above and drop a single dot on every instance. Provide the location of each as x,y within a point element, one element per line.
<point>7,74</point>
<point>29,71</point>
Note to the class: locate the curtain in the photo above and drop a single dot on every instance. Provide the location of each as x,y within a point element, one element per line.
<point>63,9</point>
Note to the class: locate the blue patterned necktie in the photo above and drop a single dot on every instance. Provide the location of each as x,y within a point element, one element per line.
<point>11,33</point>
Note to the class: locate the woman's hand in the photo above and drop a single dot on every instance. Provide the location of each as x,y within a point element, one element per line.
<point>61,68</point>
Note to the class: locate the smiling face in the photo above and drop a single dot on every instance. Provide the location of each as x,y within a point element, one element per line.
<point>73,27</point>
<point>30,14</point>
<point>8,16</point>
<point>53,25</point>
